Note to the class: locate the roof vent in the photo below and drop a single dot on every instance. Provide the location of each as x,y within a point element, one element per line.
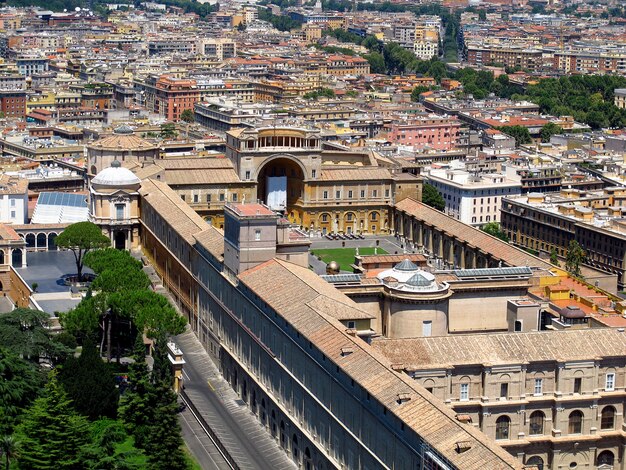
<point>403,397</point>
<point>397,366</point>
<point>347,350</point>
<point>463,446</point>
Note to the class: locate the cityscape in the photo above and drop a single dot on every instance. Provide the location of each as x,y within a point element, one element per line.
<point>313,234</point>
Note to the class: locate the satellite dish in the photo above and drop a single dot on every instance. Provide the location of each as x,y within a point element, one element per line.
<point>77,9</point>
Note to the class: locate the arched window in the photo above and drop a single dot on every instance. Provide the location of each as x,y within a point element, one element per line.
<point>536,423</point>
<point>608,418</point>
<point>606,459</point>
<point>535,461</point>
<point>575,422</point>
<point>503,427</point>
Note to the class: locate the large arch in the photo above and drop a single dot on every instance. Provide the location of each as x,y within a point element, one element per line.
<point>280,166</point>
<point>30,240</point>
<point>42,240</point>
<point>16,257</point>
<point>52,236</point>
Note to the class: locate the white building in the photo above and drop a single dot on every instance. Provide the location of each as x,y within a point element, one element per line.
<point>472,198</point>
<point>13,199</point>
<point>425,49</point>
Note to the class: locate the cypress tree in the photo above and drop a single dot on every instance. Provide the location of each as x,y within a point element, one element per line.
<point>52,433</point>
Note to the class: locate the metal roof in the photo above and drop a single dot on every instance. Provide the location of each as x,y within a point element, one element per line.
<point>493,272</point>
<point>340,278</point>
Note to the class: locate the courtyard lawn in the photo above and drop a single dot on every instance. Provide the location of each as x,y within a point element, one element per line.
<point>345,256</point>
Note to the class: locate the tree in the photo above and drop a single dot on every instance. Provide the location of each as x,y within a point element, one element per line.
<point>20,383</point>
<point>494,229</point>
<point>90,384</point>
<point>25,332</point>
<point>187,115</point>
<point>482,15</point>
<point>81,238</point>
<point>433,198</point>
<point>168,130</point>
<point>52,434</point>
<point>9,449</point>
<point>554,258</point>
<point>417,91</point>
<point>377,62</point>
<point>519,133</point>
<point>550,129</point>
<point>575,257</point>
<point>112,448</point>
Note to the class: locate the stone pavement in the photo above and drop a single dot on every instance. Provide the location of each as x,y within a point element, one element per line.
<point>230,419</point>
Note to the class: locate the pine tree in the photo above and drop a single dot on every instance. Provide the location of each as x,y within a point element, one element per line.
<point>90,383</point>
<point>52,433</point>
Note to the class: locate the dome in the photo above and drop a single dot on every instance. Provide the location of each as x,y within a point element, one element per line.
<point>116,175</point>
<point>405,265</point>
<point>332,268</point>
<point>124,130</point>
<point>421,279</point>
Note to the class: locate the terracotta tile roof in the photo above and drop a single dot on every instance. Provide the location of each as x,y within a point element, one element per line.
<point>212,239</point>
<point>503,348</point>
<point>202,176</point>
<point>251,209</point>
<point>355,174</point>
<point>181,218</point>
<point>194,163</point>
<point>509,254</point>
<point>309,304</point>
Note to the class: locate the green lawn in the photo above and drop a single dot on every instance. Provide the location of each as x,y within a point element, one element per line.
<point>345,256</point>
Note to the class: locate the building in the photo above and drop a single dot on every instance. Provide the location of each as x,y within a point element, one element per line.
<point>320,186</point>
<point>553,399</point>
<point>121,145</point>
<point>175,95</point>
<point>114,205</point>
<point>548,222</point>
<point>311,382</point>
<point>473,198</point>
<point>426,132</point>
<point>620,98</point>
<point>220,48</point>
<point>13,199</point>
<point>12,96</point>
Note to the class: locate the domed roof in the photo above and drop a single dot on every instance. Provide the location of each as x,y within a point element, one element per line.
<point>122,139</point>
<point>420,279</point>
<point>116,176</point>
<point>405,265</point>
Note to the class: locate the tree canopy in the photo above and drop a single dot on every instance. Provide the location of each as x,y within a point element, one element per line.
<point>81,238</point>
<point>187,115</point>
<point>575,258</point>
<point>494,229</point>
<point>520,133</point>
<point>550,129</point>
<point>433,198</point>
<point>52,434</point>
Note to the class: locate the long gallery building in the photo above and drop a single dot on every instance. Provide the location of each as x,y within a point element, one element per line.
<point>329,399</point>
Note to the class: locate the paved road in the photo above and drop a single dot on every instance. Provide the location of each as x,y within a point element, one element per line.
<point>199,444</point>
<point>238,430</point>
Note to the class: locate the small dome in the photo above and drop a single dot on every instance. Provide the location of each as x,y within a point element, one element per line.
<point>116,176</point>
<point>421,279</point>
<point>405,265</point>
<point>124,130</point>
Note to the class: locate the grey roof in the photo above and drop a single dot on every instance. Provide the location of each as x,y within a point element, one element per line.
<point>340,278</point>
<point>493,272</point>
<point>124,130</point>
<point>418,280</point>
<point>405,265</point>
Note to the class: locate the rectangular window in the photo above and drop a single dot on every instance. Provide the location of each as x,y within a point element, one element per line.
<point>538,387</point>
<point>362,193</point>
<point>427,328</point>
<point>12,202</point>
<point>504,390</point>
<point>578,382</point>
<point>257,235</point>
<point>337,194</point>
<point>119,211</point>
<point>247,174</point>
<point>610,382</point>
<point>195,198</point>
<point>208,198</point>
<point>325,195</point>
<point>349,194</point>
<point>464,392</point>
<point>375,193</point>
<point>386,193</point>
<point>13,214</point>
<point>313,173</point>
<point>235,197</point>
<point>222,197</point>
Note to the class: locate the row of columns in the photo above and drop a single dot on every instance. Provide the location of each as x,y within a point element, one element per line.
<point>435,241</point>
